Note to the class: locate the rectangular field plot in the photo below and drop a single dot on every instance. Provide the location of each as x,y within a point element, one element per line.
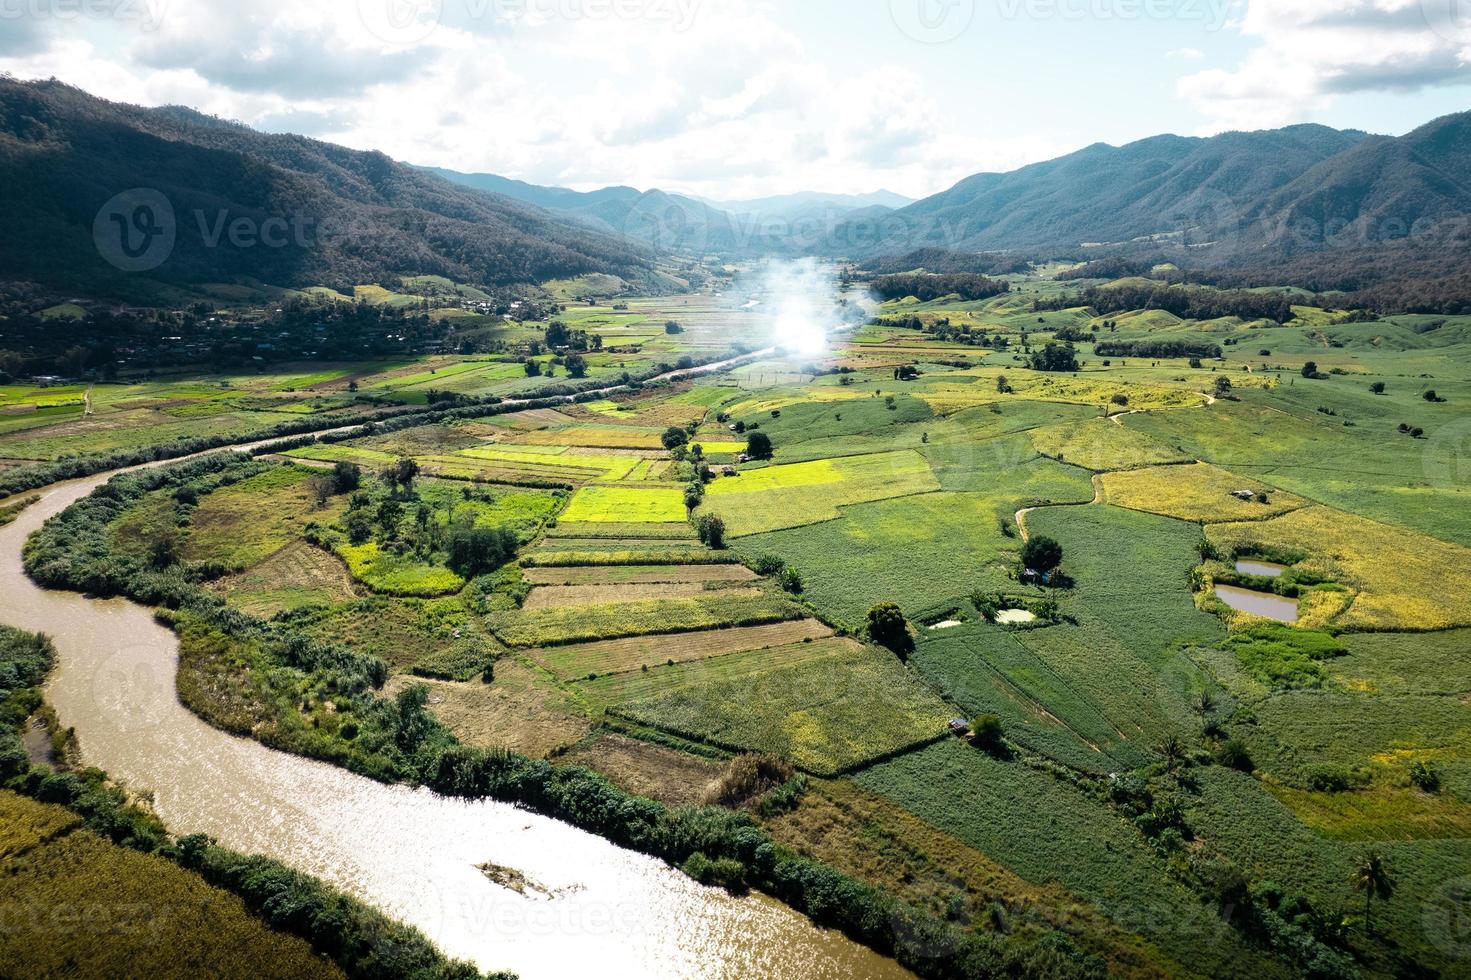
<point>810,702</point>
<point>671,531</point>
<point>633,653</point>
<point>1102,444</point>
<point>551,627</point>
<point>615,574</point>
<point>626,504</point>
<point>603,436</point>
<point>604,467</point>
<point>561,596</point>
<point>805,493</point>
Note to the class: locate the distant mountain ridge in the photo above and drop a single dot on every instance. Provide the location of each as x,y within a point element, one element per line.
<point>1236,197</point>
<point>356,216</point>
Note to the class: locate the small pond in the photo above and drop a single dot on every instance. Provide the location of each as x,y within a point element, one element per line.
<point>1247,566</point>
<point>1259,603</point>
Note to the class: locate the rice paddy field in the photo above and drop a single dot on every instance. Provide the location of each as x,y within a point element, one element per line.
<point>1156,746</point>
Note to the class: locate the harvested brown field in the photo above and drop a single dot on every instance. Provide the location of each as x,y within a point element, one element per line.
<point>521,711</point>
<point>632,653</point>
<point>637,574</point>
<point>673,778</point>
<point>557,596</point>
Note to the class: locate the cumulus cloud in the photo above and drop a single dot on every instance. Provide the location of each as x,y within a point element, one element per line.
<point>1307,52</point>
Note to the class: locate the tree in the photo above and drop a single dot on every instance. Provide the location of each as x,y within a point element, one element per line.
<point>1003,386</point>
<point>674,436</point>
<point>1055,357</point>
<point>888,628</point>
<point>1431,396</point>
<point>1371,876</point>
<point>672,327</point>
<point>359,527</point>
<point>758,445</point>
<point>557,334</point>
<point>401,474</point>
<point>987,733</point>
<point>1173,751</point>
<point>321,488</point>
<point>1377,387</point>
<point>576,365</point>
<point>790,581</point>
<point>1041,553</point>
<point>346,477</point>
<point>163,552</point>
<point>1310,369</point>
<point>711,530</point>
<point>533,370</point>
<point>476,550</point>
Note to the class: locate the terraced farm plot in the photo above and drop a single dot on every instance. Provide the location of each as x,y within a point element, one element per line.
<point>246,522</point>
<point>810,702</point>
<point>626,504</point>
<point>927,552</point>
<point>400,575</point>
<point>1403,580</point>
<point>792,495</point>
<point>1195,492</point>
<point>601,436</point>
<point>520,710</point>
<point>297,575</point>
<point>601,467</point>
<point>635,574</point>
<point>332,452</point>
<point>617,656</point>
<point>1102,444</point>
<point>657,553</point>
<point>560,596</point>
<point>551,627</point>
<point>671,531</point>
<point>435,638</point>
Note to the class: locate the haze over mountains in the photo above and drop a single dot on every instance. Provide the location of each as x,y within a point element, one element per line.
<point>1234,198</point>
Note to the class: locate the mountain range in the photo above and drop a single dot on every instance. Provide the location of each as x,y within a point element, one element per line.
<point>1374,203</point>
<point>1291,190</point>
<point>354,216</point>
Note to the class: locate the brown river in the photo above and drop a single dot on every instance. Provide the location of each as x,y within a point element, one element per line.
<point>585,908</point>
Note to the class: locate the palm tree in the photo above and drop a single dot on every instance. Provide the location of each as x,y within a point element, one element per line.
<point>1371,876</point>
<point>1205,704</point>
<point>1174,752</point>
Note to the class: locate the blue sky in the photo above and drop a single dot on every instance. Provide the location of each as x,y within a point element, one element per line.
<point>738,98</point>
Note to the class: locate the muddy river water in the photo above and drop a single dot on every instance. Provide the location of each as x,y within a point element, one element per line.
<point>588,908</point>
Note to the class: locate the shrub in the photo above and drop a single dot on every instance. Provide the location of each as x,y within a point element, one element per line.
<point>1425,776</point>
<point>1234,755</point>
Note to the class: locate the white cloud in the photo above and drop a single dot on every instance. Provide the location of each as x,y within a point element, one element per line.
<point>1308,52</point>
